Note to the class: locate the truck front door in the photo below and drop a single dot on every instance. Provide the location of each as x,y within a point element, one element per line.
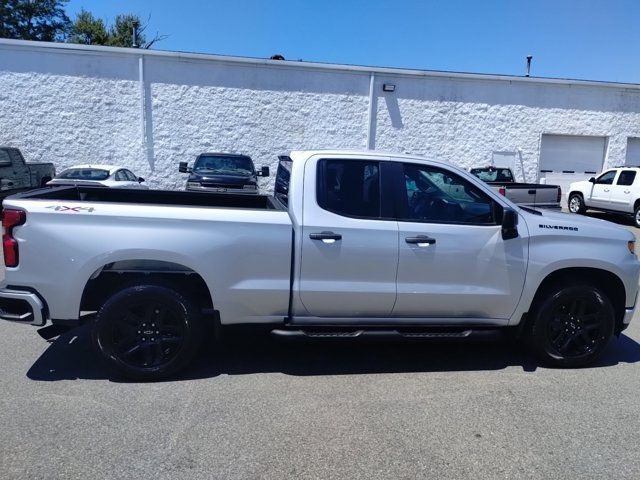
<point>453,263</point>
<point>601,190</point>
<point>349,244</point>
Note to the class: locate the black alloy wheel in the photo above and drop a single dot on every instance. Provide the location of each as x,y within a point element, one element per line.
<point>573,326</point>
<point>147,332</point>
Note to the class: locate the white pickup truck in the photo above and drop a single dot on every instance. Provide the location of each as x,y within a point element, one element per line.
<point>352,244</point>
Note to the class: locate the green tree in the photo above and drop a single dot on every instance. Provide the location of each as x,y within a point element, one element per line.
<point>43,20</point>
<point>121,32</point>
<point>88,30</point>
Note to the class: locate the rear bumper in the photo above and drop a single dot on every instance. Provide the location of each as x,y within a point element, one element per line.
<point>22,307</point>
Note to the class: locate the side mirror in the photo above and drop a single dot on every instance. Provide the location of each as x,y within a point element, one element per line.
<point>264,172</point>
<point>140,179</point>
<point>592,180</point>
<point>509,224</point>
<point>183,167</point>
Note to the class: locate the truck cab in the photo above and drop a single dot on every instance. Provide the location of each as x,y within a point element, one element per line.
<point>17,175</point>
<point>223,173</point>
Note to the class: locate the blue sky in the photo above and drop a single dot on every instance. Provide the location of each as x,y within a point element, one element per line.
<point>585,39</point>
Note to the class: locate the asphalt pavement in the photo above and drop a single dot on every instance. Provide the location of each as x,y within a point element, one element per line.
<point>256,408</point>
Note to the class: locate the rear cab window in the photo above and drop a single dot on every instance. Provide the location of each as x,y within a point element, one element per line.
<point>350,188</point>
<point>626,177</point>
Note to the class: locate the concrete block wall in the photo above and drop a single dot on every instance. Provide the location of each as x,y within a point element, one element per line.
<point>74,104</point>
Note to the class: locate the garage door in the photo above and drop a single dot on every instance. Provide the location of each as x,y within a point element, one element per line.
<point>569,158</point>
<point>633,152</point>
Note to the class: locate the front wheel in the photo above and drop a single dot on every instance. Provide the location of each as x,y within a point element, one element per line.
<point>636,216</point>
<point>572,326</point>
<point>147,332</point>
<point>576,204</point>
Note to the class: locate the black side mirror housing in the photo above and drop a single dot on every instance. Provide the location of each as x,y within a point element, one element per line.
<point>263,172</point>
<point>140,179</point>
<point>509,224</point>
<point>592,180</point>
<point>183,167</point>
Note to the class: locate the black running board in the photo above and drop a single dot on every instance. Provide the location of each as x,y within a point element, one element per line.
<point>391,334</point>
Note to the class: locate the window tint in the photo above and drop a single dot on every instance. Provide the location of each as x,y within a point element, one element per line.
<point>130,176</point>
<point>4,158</point>
<point>626,177</point>
<point>491,174</point>
<point>349,187</point>
<point>435,195</point>
<point>283,175</point>
<point>606,178</point>
<point>121,176</point>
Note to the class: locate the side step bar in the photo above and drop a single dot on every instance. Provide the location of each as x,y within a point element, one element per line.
<point>391,334</point>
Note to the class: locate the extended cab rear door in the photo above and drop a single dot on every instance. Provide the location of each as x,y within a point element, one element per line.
<point>453,262</point>
<point>349,244</point>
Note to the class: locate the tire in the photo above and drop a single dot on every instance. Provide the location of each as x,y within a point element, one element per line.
<point>576,203</point>
<point>147,332</point>
<point>636,216</point>
<point>572,326</point>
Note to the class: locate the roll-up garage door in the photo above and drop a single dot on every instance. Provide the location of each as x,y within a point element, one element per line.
<point>570,158</point>
<point>633,152</point>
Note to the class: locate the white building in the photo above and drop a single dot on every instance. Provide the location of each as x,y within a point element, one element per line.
<point>148,110</point>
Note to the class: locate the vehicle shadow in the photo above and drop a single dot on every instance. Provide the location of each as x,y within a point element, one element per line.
<point>244,351</point>
<point>625,220</point>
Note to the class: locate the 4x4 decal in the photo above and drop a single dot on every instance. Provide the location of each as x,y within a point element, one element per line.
<point>62,208</point>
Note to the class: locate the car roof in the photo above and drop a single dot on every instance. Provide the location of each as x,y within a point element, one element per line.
<point>98,166</point>
<point>238,155</point>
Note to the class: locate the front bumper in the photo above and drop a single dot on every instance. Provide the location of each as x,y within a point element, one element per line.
<point>22,307</point>
<point>243,191</point>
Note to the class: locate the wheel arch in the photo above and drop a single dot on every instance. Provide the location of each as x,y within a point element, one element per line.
<point>605,280</point>
<point>111,277</point>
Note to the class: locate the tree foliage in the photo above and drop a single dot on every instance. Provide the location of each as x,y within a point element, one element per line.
<point>43,20</point>
<point>89,30</point>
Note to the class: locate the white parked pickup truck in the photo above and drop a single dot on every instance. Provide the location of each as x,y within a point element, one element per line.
<point>352,244</point>
<point>616,190</point>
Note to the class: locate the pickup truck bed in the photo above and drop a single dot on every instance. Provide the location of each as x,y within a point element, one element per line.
<point>152,197</point>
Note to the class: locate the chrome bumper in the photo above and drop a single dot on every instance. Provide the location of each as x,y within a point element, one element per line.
<point>22,307</point>
<point>628,315</point>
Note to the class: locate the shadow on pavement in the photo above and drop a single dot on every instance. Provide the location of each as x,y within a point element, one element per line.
<point>625,220</point>
<point>244,351</point>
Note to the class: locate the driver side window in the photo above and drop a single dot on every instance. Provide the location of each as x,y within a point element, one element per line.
<point>438,196</point>
<point>606,178</point>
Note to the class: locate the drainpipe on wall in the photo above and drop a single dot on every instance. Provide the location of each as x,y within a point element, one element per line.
<point>146,124</point>
<point>371,131</point>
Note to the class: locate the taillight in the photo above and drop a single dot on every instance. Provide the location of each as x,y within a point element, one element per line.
<point>10,219</point>
<point>502,191</point>
<point>559,194</point>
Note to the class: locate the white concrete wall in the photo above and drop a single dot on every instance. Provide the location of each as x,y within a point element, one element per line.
<point>71,104</point>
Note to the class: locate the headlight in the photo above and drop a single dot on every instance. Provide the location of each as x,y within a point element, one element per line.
<point>250,187</point>
<point>193,185</point>
<point>632,247</point>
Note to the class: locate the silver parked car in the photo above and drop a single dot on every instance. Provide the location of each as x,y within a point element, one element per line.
<point>99,175</point>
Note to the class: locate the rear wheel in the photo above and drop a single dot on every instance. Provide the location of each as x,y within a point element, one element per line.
<point>576,203</point>
<point>572,326</point>
<point>147,332</point>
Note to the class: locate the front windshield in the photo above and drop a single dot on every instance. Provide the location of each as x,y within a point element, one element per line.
<point>223,164</point>
<point>84,174</point>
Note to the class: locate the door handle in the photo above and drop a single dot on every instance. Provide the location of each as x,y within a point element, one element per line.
<point>326,236</point>
<point>532,192</point>
<point>606,189</point>
<point>420,240</point>
<point>627,191</point>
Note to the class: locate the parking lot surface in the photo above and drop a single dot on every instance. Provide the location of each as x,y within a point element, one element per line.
<point>255,408</point>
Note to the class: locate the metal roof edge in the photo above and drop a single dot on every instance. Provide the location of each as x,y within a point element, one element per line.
<point>64,47</point>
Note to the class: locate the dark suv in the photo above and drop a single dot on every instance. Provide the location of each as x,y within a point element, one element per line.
<point>222,173</point>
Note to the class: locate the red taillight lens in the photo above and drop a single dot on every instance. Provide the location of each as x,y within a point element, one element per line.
<point>10,219</point>
<point>502,191</point>
<point>559,194</point>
